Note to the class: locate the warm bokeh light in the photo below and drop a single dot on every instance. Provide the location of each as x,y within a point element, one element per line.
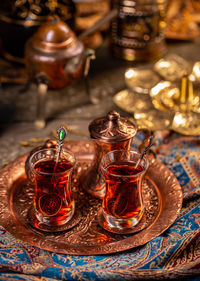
<point>164,64</point>
<point>130,73</point>
<point>160,86</point>
<point>196,70</point>
<point>179,119</point>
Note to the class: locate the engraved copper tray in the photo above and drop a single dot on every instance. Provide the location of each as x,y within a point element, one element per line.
<point>162,200</point>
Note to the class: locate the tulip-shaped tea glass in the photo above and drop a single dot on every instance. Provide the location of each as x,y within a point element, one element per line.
<point>122,205</point>
<point>53,200</point>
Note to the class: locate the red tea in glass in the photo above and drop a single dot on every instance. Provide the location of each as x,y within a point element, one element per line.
<point>122,204</point>
<point>122,197</point>
<point>53,199</point>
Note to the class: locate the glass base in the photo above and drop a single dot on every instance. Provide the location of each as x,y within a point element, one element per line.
<point>38,225</point>
<point>54,220</point>
<point>122,223</point>
<point>47,221</point>
<point>121,226</point>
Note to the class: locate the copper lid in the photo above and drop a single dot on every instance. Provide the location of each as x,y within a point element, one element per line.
<point>53,35</point>
<point>112,128</point>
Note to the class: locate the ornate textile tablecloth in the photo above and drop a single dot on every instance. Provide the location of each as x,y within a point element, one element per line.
<point>175,254</point>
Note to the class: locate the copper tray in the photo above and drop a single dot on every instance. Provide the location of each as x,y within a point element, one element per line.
<point>162,196</point>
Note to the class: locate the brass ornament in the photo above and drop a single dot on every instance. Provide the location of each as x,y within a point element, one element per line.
<point>145,115</point>
<point>186,123</point>
<point>140,80</point>
<point>172,67</point>
<point>184,103</point>
<point>166,96</point>
<point>171,104</point>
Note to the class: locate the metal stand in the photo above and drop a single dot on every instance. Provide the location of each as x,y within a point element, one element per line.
<point>90,55</point>
<point>40,119</point>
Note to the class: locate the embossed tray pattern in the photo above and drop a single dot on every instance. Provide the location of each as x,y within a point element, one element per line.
<point>162,200</point>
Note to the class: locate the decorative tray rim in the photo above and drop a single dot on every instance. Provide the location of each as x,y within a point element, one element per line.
<point>168,213</point>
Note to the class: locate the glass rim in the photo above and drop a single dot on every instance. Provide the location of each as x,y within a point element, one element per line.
<point>32,166</point>
<point>129,151</point>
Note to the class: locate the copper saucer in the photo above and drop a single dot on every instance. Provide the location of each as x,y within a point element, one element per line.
<point>87,237</point>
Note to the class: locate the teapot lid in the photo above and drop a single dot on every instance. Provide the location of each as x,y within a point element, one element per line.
<point>53,35</point>
<point>112,128</point>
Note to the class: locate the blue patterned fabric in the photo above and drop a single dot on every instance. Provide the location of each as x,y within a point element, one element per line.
<point>174,254</point>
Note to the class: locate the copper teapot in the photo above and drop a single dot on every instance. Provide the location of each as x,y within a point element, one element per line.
<point>54,58</point>
<point>54,55</point>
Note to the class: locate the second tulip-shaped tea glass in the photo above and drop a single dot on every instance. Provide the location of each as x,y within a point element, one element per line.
<point>122,205</point>
<point>53,199</point>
